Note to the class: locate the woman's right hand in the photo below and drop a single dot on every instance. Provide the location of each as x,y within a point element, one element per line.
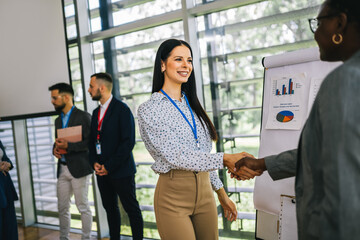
<point>244,173</point>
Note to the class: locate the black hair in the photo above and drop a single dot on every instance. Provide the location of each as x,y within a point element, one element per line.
<point>189,88</point>
<point>104,76</point>
<point>63,88</point>
<point>350,7</point>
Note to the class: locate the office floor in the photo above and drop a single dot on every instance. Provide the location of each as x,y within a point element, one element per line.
<point>38,233</point>
<point>35,233</point>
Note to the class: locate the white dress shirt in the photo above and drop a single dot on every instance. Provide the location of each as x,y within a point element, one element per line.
<point>104,106</point>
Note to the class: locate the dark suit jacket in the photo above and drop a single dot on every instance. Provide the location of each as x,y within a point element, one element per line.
<point>117,140</point>
<point>7,189</point>
<point>77,157</point>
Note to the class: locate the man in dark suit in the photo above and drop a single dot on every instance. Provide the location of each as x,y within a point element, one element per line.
<point>8,224</point>
<point>112,139</point>
<point>74,170</point>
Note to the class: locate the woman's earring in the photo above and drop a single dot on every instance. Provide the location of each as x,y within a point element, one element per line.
<point>337,42</point>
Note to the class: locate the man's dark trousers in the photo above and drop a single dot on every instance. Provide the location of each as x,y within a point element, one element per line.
<point>125,189</point>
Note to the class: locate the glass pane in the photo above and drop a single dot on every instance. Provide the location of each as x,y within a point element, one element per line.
<point>69,10</point>
<point>71,31</point>
<point>126,14</point>
<point>95,24</point>
<point>78,98</point>
<point>98,47</point>
<point>141,155</point>
<point>93,4</point>
<point>241,94</point>
<point>134,101</point>
<point>74,53</point>
<point>241,122</point>
<point>150,35</point>
<point>100,65</point>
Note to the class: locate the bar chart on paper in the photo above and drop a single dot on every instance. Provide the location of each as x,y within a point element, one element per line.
<point>286,89</point>
<point>285,86</point>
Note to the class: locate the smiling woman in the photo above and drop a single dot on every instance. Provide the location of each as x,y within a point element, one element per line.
<point>178,134</point>
<point>338,31</point>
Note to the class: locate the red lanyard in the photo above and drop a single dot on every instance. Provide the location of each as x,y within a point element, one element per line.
<point>100,122</point>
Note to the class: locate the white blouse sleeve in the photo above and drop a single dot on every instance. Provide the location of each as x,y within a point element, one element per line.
<point>215,180</point>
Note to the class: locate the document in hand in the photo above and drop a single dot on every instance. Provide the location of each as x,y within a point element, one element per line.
<point>70,134</point>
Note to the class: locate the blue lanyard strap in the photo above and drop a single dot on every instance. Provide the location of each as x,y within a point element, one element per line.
<point>192,115</point>
<point>62,118</point>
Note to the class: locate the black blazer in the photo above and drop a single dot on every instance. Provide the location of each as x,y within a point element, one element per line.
<point>7,190</point>
<point>77,157</point>
<point>117,139</point>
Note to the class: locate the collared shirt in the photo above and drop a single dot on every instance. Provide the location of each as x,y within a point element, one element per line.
<point>104,106</point>
<point>64,119</point>
<point>170,140</point>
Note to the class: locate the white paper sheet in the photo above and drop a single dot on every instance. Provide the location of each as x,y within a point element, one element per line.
<point>288,102</point>
<point>287,219</point>
<point>315,84</point>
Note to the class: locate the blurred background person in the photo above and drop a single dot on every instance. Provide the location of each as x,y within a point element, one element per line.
<point>73,168</point>
<point>112,139</point>
<point>327,161</point>
<point>8,224</point>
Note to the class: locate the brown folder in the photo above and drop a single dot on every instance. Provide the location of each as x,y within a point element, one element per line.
<point>70,134</point>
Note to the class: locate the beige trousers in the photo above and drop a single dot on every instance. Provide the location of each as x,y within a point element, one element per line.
<point>185,207</point>
<point>67,186</point>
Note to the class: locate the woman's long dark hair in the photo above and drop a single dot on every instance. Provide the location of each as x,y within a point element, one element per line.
<point>189,88</point>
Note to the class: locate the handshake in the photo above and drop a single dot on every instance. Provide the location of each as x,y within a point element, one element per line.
<point>244,166</point>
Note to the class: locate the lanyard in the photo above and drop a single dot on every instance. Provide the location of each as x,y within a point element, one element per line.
<point>100,122</point>
<point>192,116</point>
<point>62,117</point>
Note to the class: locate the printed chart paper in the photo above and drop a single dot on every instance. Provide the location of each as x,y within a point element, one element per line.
<point>288,102</point>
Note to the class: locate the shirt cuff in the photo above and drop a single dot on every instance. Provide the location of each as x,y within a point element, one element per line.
<point>219,157</point>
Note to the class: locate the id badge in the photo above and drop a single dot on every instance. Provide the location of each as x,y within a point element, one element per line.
<point>98,148</point>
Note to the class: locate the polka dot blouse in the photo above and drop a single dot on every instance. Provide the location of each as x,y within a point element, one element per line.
<point>170,140</point>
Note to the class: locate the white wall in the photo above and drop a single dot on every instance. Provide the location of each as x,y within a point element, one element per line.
<point>33,55</point>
